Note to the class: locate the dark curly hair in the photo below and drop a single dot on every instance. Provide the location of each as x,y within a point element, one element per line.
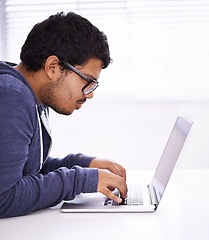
<point>70,37</point>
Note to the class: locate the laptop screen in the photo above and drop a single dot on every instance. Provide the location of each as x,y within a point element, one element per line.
<point>170,155</point>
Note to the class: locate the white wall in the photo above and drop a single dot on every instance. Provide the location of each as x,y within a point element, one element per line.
<point>162,43</point>
<point>132,131</point>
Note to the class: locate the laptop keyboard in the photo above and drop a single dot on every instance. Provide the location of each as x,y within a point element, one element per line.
<point>134,197</point>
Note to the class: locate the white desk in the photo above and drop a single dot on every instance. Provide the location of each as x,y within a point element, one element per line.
<point>184,217</point>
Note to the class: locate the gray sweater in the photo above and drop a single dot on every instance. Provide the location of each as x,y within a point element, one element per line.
<point>29,178</point>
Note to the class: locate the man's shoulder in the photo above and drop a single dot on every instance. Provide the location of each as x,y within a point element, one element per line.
<point>12,83</point>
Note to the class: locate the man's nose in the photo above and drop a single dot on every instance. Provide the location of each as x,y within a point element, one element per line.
<point>90,95</point>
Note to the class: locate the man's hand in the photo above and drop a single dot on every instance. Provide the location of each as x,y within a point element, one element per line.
<point>111,176</point>
<point>109,165</point>
<point>109,180</point>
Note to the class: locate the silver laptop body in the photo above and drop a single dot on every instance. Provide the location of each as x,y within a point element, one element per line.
<point>148,196</point>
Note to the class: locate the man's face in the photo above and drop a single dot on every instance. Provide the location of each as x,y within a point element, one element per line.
<point>64,94</point>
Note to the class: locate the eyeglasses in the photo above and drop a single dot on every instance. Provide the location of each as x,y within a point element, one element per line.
<point>91,85</point>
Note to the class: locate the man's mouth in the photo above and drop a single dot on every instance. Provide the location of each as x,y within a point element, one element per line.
<point>80,102</point>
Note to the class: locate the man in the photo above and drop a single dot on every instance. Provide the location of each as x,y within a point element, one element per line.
<point>61,61</point>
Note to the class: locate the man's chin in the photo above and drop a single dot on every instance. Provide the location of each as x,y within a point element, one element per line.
<point>63,111</point>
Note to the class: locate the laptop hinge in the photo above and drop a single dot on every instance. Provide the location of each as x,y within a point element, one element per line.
<point>153,197</point>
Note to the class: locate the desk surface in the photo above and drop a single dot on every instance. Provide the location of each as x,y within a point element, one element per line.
<point>182,214</point>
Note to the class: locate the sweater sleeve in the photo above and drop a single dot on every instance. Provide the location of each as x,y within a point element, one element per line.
<point>35,192</point>
<point>21,194</point>
<point>69,161</point>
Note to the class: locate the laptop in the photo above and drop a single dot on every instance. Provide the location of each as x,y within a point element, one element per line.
<point>140,197</point>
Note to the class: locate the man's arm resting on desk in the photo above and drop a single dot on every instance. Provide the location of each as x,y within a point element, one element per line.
<point>36,192</point>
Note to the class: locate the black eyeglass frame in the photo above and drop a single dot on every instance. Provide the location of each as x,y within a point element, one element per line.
<point>88,79</point>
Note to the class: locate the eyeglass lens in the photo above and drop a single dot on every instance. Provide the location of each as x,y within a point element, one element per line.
<point>90,88</point>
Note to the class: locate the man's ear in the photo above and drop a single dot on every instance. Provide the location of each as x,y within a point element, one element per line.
<point>52,67</point>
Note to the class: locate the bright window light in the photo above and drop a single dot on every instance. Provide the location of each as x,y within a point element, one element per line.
<point>159,48</point>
